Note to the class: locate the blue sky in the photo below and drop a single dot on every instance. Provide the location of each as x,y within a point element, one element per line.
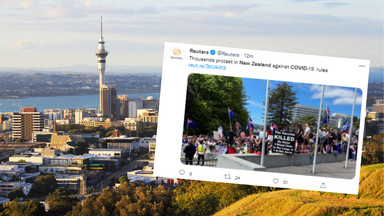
<point>56,33</point>
<point>338,99</point>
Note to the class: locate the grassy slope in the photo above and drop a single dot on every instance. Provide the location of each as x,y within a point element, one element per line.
<point>370,200</point>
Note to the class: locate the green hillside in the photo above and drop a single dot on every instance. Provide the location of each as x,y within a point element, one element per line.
<point>370,200</point>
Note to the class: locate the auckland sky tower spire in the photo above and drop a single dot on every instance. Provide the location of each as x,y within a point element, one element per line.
<point>101,56</point>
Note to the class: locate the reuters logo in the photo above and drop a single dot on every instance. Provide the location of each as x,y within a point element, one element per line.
<point>176,52</point>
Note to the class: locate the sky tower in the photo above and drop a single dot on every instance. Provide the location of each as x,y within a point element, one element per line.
<point>101,56</point>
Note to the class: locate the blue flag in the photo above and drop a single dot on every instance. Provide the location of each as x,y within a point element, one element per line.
<point>346,126</point>
<point>327,115</point>
<point>231,113</point>
<point>191,124</point>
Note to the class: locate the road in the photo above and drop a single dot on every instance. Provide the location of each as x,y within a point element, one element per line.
<point>122,171</point>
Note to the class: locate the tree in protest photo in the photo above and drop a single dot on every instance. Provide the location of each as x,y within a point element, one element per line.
<point>282,100</point>
<point>208,99</point>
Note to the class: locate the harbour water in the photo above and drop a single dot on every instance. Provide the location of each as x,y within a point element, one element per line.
<point>61,102</point>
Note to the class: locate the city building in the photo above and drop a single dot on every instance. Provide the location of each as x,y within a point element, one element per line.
<point>25,122</point>
<point>68,114</point>
<point>80,114</point>
<point>133,106</point>
<point>95,122</point>
<point>149,116</point>
<point>9,171</point>
<point>151,103</point>
<point>109,102</point>
<point>130,124</point>
<point>62,142</point>
<point>122,142</point>
<point>372,116</point>
<point>110,152</point>
<point>6,125</point>
<point>8,187</point>
<point>123,99</point>
<point>302,110</point>
<point>42,136</point>
<point>145,142</point>
<point>53,114</point>
<point>65,121</point>
<point>67,181</point>
<point>379,108</point>
<point>49,152</point>
<point>71,160</point>
<point>34,160</point>
<point>146,176</point>
<point>54,169</point>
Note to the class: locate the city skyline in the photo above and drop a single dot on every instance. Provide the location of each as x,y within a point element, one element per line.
<point>137,31</point>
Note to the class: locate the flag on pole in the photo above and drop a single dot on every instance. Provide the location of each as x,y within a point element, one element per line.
<point>191,124</point>
<point>327,116</point>
<point>220,130</point>
<point>231,113</point>
<point>346,126</point>
<point>273,128</point>
<point>250,125</point>
<point>237,127</point>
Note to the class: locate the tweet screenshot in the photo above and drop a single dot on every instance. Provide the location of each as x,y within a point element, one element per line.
<point>261,118</point>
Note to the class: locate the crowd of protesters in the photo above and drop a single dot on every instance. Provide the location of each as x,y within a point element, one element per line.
<point>330,141</point>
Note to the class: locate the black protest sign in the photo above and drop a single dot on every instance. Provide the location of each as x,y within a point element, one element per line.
<point>284,142</point>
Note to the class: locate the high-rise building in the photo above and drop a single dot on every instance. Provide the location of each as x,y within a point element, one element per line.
<point>301,110</point>
<point>133,106</point>
<point>101,54</point>
<point>109,102</point>
<point>25,122</point>
<point>151,103</point>
<point>80,114</point>
<point>123,106</point>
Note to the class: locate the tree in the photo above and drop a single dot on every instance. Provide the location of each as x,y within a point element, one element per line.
<point>371,128</point>
<point>81,148</point>
<point>29,208</point>
<point>208,99</point>
<point>145,201</point>
<point>16,194</point>
<point>311,119</point>
<point>112,181</point>
<point>373,150</point>
<point>123,179</point>
<point>282,100</point>
<point>60,203</point>
<point>43,185</point>
<point>356,123</point>
<point>109,133</point>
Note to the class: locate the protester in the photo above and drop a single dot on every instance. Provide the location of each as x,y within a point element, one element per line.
<point>212,144</point>
<point>299,138</point>
<point>323,137</point>
<point>189,151</point>
<point>202,148</point>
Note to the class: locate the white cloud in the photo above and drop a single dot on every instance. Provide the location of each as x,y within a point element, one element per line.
<point>339,95</point>
<point>333,4</point>
<point>42,45</point>
<point>255,104</point>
